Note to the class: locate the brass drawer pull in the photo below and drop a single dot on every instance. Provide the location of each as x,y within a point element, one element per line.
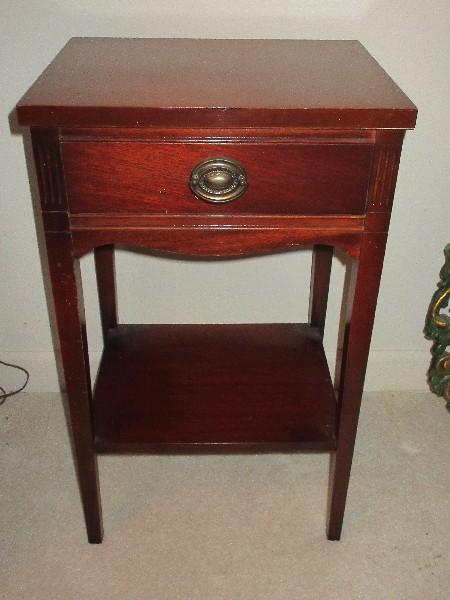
<point>218,180</point>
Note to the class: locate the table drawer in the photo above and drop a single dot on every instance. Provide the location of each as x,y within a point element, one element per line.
<point>153,178</point>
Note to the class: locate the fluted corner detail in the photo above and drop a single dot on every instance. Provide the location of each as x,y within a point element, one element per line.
<point>384,179</point>
<point>49,170</point>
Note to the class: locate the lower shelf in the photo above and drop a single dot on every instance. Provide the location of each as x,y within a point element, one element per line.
<point>185,388</point>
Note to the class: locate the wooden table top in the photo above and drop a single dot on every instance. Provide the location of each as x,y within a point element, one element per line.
<point>224,83</point>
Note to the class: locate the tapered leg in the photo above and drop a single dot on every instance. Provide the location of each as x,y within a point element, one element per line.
<point>69,312</point>
<point>362,299</point>
<point>320,282</point>
<point>106,284</point>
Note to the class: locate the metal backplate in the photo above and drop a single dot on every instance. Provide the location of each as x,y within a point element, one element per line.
<point>218,180</point>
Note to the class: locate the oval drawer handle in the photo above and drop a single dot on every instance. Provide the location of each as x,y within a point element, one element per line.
<point>218,180</point>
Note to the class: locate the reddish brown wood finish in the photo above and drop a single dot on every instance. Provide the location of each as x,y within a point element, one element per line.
<point>65,280</point>
<point>339,223</point>
<point>126,177</point>
<point>364,281</point>
<point>320,282</point>
<point>362,301</point>
<point>221,242</point>
<point>384,172</point>
<point>215,388</point>
<point>199,83</point>
<point>218,135</point>
<point>124,123</point>
<point>106,284</point>
<point>69,312</point>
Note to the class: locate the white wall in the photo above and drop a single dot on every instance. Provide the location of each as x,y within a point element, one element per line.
<point>408,37</point>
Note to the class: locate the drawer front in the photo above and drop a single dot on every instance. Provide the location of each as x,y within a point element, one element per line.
<point>153,178</point>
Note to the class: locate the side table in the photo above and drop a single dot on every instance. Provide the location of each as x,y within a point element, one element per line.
<point>214,148</point>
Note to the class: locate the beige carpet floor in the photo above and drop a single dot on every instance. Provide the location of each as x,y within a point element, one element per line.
<point>229,527</point>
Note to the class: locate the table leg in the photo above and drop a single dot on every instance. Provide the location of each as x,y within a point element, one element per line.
<point>320,282</point>
<point>361,304</point>
<point>69,311</point>
<point>106,284</point>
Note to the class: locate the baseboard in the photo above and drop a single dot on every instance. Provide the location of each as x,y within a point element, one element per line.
<point>394,370</point>
<point>387,370</point>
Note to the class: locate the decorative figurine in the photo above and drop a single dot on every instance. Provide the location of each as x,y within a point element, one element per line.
<point>437,328</point>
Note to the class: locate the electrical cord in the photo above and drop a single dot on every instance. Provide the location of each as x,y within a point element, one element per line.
<point>3,393</point>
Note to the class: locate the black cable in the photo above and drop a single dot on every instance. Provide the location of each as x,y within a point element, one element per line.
<point>3,393</point>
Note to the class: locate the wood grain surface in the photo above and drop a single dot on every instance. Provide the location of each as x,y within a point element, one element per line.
<point>117,126</point>
<point>130,177</point>
<point>214,388</point>
<point>138,82</point>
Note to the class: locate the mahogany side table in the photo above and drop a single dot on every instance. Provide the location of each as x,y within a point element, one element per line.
<point>214,148</point>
